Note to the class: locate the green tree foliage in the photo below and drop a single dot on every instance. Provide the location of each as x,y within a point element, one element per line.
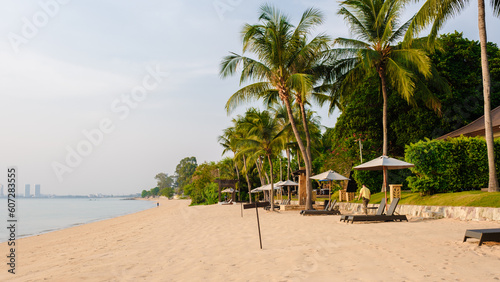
<point>457,164</point>
<point>202,188</point>
<point>437,13</point>
<point>145,194</point>
<point>281,53</point>
<point>164,180</point>
<point>458,62</point>
<point>184,171</point>
<point>400,67</point>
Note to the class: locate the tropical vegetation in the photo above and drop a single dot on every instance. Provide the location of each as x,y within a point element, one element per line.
<point>395,93</point>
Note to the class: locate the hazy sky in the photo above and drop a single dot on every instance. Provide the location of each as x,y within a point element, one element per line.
<point>100,96</point>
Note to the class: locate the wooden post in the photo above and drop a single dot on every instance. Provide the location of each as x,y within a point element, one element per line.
<point>302,194</point>
<point>257,205</point>
<point>258,223</point>
<point>385,188</point>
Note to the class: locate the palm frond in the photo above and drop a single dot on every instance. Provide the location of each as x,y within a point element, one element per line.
<point>246,94</point>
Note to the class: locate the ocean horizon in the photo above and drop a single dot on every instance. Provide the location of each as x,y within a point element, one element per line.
<point>41,215</point>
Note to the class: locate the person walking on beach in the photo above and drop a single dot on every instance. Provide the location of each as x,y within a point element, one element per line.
<point>365,194</point>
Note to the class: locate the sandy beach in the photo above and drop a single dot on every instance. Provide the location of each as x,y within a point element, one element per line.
<point>176,242</point>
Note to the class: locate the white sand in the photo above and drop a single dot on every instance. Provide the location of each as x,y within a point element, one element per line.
<point>179,243</point>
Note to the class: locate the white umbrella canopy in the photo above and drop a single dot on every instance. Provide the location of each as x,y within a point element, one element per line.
<point>287,183</point>
<point>266,187</point>
<point>329,175</point>
<point>228,190</point>
<point>383,162</point>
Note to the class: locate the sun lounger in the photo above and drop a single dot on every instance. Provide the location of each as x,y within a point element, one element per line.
<point>230,202</point>
<point>483,235</point>
<point>276,207</point>
<point>330,209</point>
<point>390,216</point>
<point>380,211</point>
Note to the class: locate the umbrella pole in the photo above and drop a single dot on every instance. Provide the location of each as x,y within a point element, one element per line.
<point>385,187</point>
<point>330,193</point>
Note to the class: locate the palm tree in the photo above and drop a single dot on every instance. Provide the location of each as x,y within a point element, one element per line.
<point>265,138</point>
<point>278,46</point>
<point>438,11</point>
<point>375,24</point>
<point>229,140</point>
<point>242,134</point>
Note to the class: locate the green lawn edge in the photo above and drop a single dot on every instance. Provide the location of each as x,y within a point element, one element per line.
<point>457,199</point>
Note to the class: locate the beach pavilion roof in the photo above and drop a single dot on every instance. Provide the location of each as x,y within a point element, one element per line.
<point>476,128</point>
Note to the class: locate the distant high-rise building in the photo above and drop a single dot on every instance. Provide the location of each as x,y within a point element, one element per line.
<point>37,190</point>
<point>27,191</point>
<point>1,190</point>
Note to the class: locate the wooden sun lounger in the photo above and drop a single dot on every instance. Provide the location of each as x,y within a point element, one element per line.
<point>483,235</point>
<point>380,211</point>
<point>390,216</point>
<point>330,209</point>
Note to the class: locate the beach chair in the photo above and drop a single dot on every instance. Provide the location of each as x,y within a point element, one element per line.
<point>380,211</point>
<point>330,209</point>
<point>230,202</point>
<point>390,216</point>
<point>483,235</point>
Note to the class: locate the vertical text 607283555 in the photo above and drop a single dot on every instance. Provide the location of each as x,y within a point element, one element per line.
<point>12,219</point>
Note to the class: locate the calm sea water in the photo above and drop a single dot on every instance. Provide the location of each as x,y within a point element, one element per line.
<point>36,216</point>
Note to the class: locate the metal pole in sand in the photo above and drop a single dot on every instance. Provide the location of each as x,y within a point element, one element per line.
<point>258,224</point>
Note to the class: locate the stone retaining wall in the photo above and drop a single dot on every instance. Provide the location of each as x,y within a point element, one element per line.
<point>462,213</point>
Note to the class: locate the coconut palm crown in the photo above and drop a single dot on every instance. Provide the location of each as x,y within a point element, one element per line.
<point>374,50</point>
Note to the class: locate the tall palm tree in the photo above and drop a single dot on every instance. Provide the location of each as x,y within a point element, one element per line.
<point>266,138</point>
<point>278,46</point>
<point>437,12</point>
<point>375,24</point>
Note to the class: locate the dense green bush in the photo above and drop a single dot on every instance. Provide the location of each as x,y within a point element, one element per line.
<point>457,164</point>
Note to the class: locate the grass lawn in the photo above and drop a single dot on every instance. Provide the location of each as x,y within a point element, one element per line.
<point>468,198</point>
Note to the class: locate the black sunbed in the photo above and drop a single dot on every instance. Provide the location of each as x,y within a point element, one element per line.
<point>483,235</point>
<point>330,209</point>
<point>380,211</point>
<point>390,216</point>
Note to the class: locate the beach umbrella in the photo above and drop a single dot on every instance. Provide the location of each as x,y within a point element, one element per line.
<point>329,176</point>
<point>229,190</point>
<point>384,163</point>
<point>288,183</point>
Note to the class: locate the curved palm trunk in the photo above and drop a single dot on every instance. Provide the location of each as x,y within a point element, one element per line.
<point>308,152</point>
<point>302,150</point>
<point>260,173</point>
<point>384,111</point>
<point>248,179</point>
<point>238,177</point>
<point>265,172</point>
<point>493,181</point>
<point>271,193</point>
<point>289,163</point>
<point>384,125</point>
